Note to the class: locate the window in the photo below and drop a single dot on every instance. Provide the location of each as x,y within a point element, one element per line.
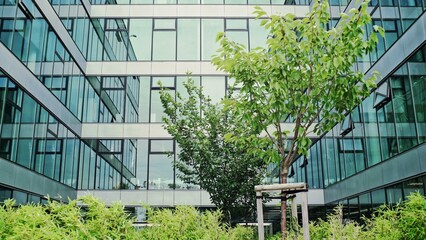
<point>209,29</point>
<point>5,193</point>
<point>161,171</point>
<point>140,33</point>
<point>164,40</point>
<point>156,107</point>
<point>237,30</point>
<point>214,87</point>
<point>48,157</point>
<point>414,185</point>
<point>347,125</point>
<point>382,95</point>
<point>188,39</point>
<point>394,194</point>
<point>404,111</point>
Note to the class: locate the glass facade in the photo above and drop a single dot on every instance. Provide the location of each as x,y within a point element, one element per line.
<point>32,136</point>
<point>365,203</point>
<point>123,107</point>
<point>35,139</point>
<point>90,99</point>
<point>159,39</point>
<point>387,123</point>
<point>395,16</point>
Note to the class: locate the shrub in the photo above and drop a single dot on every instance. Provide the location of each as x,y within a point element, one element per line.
<point>95,220</point>
<point>335,228</point>
<point>187,223</point>
<point>65,221</point>
<point>404,221</point>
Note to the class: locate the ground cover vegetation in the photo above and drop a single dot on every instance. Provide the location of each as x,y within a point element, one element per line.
<point>303,74</point>
<point>405,221</point>
<point>89,218</point>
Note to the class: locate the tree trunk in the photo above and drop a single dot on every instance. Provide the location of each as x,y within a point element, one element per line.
<point>284,207</point>
<point>227,216</point>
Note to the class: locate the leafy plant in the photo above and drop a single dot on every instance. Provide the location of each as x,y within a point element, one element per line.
<point>65,221</point>
<point>305,72</point>
<point>224,169</point>
<point>406,221</point>
<point>187,223</point>
<point>89,218</point>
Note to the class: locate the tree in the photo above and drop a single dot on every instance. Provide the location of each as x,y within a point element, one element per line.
<point>305,73</point>
<point>224,169</point>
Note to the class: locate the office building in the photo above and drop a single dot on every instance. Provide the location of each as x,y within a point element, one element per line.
<point>80,108</point>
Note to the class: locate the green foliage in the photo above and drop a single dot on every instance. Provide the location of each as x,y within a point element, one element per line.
<point>94,220</point>
<point>187,223</point>
<point>334,228</point>
<point>306,71</point>
<point>224,169</point>
<point>65,221</point>
<point>404,221</point>
<point>102,221</point>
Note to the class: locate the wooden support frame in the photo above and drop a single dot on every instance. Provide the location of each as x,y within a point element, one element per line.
<point>290,188</point>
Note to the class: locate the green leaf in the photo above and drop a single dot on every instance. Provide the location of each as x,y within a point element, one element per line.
<point>220,36</point>
<point>275,80</point>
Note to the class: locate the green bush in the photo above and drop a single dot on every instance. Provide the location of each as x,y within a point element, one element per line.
<point>406,221</point>
<point>334,228</point>
<point>187,223</point>
<point>56,221</point>
<point>96,221</point>
<point>65,221</point>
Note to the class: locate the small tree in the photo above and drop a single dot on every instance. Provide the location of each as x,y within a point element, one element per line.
<point>305,73</point>
<point>224,169</point>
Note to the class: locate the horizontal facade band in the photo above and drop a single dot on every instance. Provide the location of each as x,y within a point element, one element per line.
<point>406,45</point>
<point>402,166</point>
<point>138,130</point>
<point>204,11</point>
<point>171,198</point>
<point>179,11</point>
<point>26,79</point>
<point>30,181</point>
<point>150,68</point>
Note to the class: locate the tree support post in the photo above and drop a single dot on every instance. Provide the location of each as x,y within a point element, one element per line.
<point>294,208</point>
<point>260,228</point>
<point>305,219</point>
<point>289,188</point>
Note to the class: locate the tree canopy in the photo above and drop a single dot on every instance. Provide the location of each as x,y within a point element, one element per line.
<point>224,169</point>
<point>305,73</point>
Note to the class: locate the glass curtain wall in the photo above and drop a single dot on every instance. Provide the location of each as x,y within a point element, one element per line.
<point>366,203</point>
<point>160,39</point>
<point>388,122</point>
<point>35,139</point>
<point>30,38</point>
